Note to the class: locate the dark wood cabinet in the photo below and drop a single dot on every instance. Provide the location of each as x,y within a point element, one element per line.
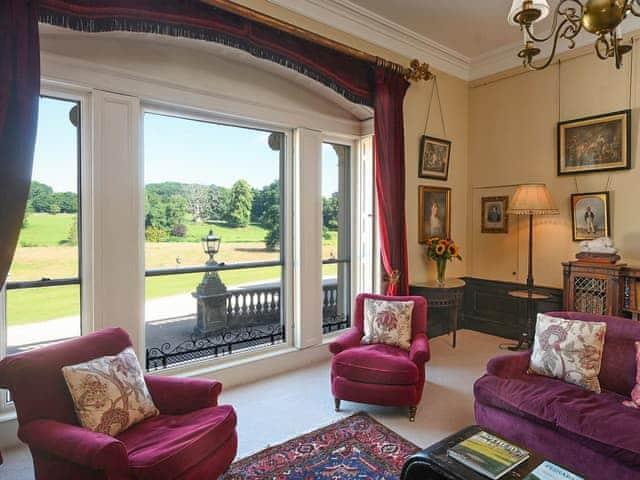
<point>602,289</point>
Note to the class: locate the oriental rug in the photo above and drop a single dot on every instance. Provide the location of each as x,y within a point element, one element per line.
<point>357,447</point>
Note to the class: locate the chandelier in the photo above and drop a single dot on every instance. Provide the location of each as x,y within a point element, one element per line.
<point>599,17</point>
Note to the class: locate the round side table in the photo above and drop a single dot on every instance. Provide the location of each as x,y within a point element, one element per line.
<point>532,298</point>
<point>447,296</point>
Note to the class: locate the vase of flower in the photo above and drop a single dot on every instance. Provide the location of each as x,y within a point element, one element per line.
<point>442,250</point>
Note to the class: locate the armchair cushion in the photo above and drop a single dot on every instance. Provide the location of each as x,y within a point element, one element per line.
<point>175,395</point>
<point>187,440</point>
<point>109,393</point>
<point>76,444</point>
<point>387,322</point>
<point>378,364</point>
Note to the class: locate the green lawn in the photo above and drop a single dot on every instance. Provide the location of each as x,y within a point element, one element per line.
<point>43,252</point>
<point>46,230</point>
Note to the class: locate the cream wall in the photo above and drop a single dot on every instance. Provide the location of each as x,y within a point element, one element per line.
<point>455,102</point>
<point>512,138</point>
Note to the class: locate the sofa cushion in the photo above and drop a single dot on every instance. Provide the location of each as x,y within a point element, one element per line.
<point>598,421</point>
<point>187,440</point>
<point>378,363</point>
<point>570,350</point>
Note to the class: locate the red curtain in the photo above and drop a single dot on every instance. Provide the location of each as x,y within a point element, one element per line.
<point>390,178</point>
<point>19,92</point>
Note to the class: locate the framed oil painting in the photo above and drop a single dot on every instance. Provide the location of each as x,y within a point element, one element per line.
<point>494,215</point>
<point>595,144</point>
<point>434,213</point>
<point>435,154</point>
<point>590,212</point>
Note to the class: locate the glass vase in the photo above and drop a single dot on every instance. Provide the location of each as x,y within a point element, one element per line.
<point>441,263</point>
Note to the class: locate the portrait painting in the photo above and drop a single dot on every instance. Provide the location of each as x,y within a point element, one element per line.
<point>434,213</point>
<point>590,215</point>
<point>494,215</point>
<point>595,144</point>
<point>434,158</point>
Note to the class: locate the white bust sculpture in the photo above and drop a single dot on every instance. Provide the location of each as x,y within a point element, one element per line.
<point>599,245</point>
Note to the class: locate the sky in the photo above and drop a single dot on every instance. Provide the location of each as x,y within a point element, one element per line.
<point>175,149</point>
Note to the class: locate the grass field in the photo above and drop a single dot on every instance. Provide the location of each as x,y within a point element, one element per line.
<point>42,253</point>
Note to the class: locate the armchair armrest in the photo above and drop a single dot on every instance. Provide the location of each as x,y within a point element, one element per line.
<point>78,445</point>
<point>175,395</point>
<point>349,339</point>
<point>509,366</point>
<point>420,352</point>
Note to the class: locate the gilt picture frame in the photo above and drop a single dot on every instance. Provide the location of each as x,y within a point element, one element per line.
<point>494,215</point>
<point>595,144</point>
<point>590,215</point>
<point>435,155</point>
<point>434,212</point>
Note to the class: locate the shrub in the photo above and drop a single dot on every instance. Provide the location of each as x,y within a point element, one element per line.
<point>155,234</point>
<point>179,230</point>
<point>72,236</point>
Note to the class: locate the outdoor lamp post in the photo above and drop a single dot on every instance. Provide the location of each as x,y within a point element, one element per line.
<point>211,246</point>
<point>211,293</point>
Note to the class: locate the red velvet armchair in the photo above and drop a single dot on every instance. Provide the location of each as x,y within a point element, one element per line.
<point>191,439</point>
<point>381,374</point>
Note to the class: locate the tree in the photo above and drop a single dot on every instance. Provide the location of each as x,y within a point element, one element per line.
<point>263,199</point>
<point>330,211</point>
<point>72,236</point>
<point>41,197</point>
<point>271,221</point>
<point>239,212</point>
<point>67,201</point>
<point>197,197</point>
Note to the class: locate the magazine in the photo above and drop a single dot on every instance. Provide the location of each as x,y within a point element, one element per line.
<point>549,471</point>
<point>488,455</point>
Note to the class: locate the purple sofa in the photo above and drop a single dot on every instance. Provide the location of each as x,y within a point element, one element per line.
<point>593,434</point>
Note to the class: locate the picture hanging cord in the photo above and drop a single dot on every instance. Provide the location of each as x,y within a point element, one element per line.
<point>631,76</point>
<point>426,122</point>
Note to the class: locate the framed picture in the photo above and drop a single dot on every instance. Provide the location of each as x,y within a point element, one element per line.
<point>590,212</point>
<point>434,158</point>
<point>434,213</point>
<point>494,215</point>
<point>595,144</point>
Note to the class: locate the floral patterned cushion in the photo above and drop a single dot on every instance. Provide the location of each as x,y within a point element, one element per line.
<point>635,393</point>
<point>109,393</point>
<point>570,350</point>
<point>387,322</point>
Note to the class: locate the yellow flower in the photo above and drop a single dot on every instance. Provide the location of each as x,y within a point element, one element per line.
<point>453,250</point>
<point>440,249</point>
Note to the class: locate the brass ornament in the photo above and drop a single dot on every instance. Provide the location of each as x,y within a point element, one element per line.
<point>599,17</point>
<point>417,71</point>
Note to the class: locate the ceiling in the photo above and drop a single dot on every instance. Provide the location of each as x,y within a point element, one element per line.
<point>466,38</point>
<point>470,27</point>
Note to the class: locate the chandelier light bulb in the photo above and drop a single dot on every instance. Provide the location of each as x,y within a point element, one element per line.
<point>518,6</point>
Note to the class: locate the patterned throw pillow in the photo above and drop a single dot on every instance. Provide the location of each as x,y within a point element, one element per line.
<point>570,350</point>
<point>109,393</point>
<point>635,393</point>
<point>387,322</point>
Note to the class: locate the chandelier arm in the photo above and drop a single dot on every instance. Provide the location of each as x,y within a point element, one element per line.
<point>570,14</point>
<point>601,43</point>
<point>565,27</point>
<point>634,7</point>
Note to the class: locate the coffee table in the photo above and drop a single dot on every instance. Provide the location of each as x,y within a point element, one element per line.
<point>434,464</point>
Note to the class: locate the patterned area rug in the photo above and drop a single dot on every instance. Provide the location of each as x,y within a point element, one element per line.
<point>357,447</point>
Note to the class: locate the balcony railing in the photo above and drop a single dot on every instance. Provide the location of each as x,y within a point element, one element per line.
<point>253,319</point>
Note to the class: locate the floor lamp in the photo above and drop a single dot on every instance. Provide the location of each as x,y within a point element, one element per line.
<point>530,199</point>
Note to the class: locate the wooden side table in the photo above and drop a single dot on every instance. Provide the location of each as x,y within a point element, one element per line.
<point>447,296</point>
<point>532,299</point>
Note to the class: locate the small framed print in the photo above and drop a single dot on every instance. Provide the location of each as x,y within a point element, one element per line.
<point>435,154</point>
<point>434,213</point>
<point>494,215</point>
<point>590,213</point>
<point>595,144</point>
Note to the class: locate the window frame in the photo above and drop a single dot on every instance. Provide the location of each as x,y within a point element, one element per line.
<point>286,231</point>
<point>84,280</point>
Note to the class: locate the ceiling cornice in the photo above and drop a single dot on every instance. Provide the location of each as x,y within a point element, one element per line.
<point>360,22</point>
<point>378,30</point>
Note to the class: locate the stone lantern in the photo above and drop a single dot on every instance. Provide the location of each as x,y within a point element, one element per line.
<point>211,292</point>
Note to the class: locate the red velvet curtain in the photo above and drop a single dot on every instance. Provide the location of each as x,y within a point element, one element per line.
<point>390,178</point>
<point>19,92</point>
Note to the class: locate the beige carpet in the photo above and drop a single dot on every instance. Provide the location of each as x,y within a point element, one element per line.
<point>282,407</point>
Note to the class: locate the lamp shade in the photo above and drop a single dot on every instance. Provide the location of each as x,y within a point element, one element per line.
<point>517,6</point>
<point>532,199</point>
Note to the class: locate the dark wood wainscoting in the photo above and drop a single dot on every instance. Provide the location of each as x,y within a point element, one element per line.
<point>488,308</point>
